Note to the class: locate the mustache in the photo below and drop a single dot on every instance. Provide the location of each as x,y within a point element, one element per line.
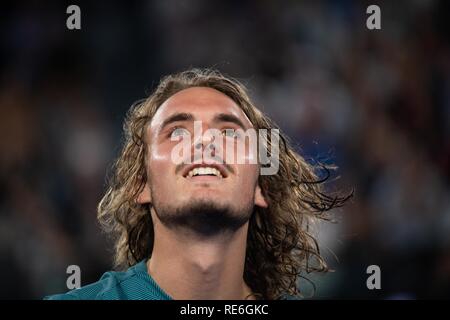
<point>182,165</point>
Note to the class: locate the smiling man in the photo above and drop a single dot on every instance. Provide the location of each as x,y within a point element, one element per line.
<point>207,227</point>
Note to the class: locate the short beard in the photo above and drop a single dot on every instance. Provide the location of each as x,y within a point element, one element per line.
<point>204,219</point>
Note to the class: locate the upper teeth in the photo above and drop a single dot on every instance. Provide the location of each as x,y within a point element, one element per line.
<point>204,171</point>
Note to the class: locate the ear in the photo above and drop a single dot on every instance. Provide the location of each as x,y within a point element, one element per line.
<point>260,201</point>
<point>145,196</point>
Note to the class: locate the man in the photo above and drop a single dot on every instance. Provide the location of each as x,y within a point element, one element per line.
<point>206,227</point>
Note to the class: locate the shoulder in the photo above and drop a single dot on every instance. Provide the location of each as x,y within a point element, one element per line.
<point>112,285</point>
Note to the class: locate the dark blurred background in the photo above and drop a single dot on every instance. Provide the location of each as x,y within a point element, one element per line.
<point>375,103</point>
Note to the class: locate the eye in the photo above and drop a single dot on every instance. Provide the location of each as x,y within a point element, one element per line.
<point>178,132</point>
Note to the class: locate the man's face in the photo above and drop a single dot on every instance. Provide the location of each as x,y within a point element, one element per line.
<point>173,187</point>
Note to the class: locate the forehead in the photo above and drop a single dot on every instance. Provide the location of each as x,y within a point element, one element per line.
<point>203,103</point>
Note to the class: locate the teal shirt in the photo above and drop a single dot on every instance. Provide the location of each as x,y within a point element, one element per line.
<point>133,284</point>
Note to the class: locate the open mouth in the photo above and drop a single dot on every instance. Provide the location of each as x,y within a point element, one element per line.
<point>205,170</point>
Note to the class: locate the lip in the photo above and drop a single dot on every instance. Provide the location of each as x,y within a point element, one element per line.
<point>219,167</point>
<point>204,179</point>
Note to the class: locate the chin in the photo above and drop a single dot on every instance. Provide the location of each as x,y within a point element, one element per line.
<point>200,200</point>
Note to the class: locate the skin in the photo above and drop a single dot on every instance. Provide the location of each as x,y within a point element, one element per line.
<point>184,265</point>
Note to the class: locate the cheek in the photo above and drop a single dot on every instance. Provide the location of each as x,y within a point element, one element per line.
<point>239,152</point>
<point>248,174</point>
<point>159,153</point>
<point>159,161</point>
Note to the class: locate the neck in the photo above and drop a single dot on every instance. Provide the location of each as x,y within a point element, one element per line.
<point>187,267</point>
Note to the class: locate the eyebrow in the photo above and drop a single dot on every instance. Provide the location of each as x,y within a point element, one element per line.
<point>176,117</point>
<point>226,117</point>
<point>183,116</point>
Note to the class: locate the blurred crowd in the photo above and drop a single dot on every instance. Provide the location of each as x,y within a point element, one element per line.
<point>374,102</point>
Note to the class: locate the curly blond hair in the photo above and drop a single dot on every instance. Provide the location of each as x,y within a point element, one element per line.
<point>280,244</point>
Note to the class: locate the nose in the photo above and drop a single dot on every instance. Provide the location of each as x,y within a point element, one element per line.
<point>205,141</point>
